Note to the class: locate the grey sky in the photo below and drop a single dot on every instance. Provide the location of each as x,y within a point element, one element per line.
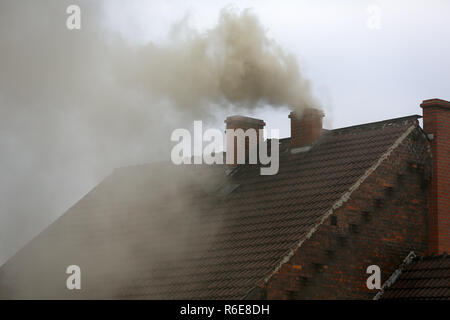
<point>359,74</point>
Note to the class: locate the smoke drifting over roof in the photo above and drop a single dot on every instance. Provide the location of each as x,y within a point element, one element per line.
<point>233,63</point>
<point>75,104</point>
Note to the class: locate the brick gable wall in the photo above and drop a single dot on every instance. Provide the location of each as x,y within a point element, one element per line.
<point>385,218</point>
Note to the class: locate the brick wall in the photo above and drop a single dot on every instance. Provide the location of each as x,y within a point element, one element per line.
<point>383,221</point>
<point>436,121</point>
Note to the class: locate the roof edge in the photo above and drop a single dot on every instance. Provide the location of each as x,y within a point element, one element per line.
<point>339,203</point>
<point>411,117</point>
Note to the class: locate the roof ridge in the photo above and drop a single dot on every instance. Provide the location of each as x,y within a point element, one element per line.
<point>376,123</point>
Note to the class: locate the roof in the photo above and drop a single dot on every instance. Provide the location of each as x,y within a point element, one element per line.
<point>424,278</point>
<point>198,232</point>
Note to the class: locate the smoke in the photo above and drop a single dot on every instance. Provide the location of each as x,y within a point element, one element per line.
<point>138,219</point>
<point>235,63</point>
<point>76,104</point>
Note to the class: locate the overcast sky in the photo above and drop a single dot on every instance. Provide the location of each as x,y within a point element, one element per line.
<point>366,61</point>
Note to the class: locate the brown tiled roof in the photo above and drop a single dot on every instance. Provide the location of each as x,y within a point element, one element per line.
<point>425,278</point>
<point>207,234</point>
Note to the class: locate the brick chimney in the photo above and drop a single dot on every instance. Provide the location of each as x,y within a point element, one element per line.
<point>436,123</point>
<point>244,123</point>
<point>306,127</point>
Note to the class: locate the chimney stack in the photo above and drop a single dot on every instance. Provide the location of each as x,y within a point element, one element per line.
<point>436,123</point>
<point>244,123</point>
<point>306,128</point>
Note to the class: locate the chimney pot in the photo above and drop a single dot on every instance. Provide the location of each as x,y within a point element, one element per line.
<point>244,123</point>
<point>306,127</point>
